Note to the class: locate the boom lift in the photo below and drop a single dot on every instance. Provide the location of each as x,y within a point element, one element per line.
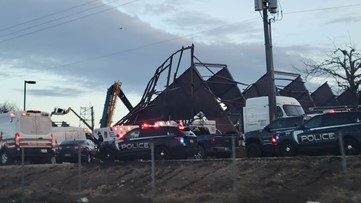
<point>59,111</point>
<point>113,92</point>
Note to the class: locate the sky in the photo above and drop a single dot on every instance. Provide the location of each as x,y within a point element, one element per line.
<point>76,49</point>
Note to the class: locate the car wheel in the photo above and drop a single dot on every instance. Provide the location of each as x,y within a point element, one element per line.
<point>253,150</point>
<point>201,154</point>
<point>5,158</point>
<point>287,149</point>
<point>351,147</point>
<point>161,153</point>
<point>107,155</point>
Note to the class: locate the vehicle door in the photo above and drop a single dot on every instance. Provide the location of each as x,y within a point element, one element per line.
<point>92,147</point>
<point>281,127</point>
<point>132,145</point>
<point>319,135</point>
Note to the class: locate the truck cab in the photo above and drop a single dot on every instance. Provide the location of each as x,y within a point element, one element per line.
<point>256,111</point>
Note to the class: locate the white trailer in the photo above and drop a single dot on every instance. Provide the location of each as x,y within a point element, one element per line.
<point>69,133</point>
<point>29,131</point>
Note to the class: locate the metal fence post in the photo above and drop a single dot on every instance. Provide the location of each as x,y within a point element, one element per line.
<point>234,167</point>
<point>22,175</point>
<point>153,171</point>
<point>79,171</point>
<point>343,157</point>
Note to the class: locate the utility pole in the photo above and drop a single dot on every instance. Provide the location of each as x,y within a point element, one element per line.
<point>269,6</point>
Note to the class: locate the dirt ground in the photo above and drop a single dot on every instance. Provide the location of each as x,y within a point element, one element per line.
<point>298,179</point>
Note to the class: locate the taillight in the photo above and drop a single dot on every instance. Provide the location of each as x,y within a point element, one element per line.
<point>213,140</point>
<point>12,115</point>
<point>53,142</point>
<point>17,139</point>
<point>180,139</point>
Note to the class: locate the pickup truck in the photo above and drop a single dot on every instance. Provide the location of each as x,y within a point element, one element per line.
<point>261,142</point>
<point>216,145</point>
<point>321,135</point>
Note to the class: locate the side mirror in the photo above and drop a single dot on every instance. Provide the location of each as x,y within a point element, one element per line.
<point>266,128</point>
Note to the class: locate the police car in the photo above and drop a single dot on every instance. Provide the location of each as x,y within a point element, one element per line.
<point>321,135</point>
<point>170,142</point>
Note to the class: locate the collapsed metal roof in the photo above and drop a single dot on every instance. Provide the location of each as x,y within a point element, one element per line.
<point>202,87</point>
<point>324,96</point>
<point>210,88</point>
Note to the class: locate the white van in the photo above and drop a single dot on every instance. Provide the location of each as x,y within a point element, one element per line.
<point>30,130</point>
<point>256,111</point>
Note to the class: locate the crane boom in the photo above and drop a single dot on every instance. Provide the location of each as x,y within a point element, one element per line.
<point>113,92</point>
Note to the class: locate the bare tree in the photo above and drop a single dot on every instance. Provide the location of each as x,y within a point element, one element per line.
<point>343,65</point>
<point>7,107</point>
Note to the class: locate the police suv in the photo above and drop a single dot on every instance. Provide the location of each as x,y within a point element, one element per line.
<point>261,142</point>
<point>169,142</point>
<point>321,135</point>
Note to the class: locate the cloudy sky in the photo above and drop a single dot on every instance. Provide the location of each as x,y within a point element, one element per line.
<point>76,49</point>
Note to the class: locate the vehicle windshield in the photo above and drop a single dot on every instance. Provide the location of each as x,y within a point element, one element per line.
<point>35,125</point>
<point>188,133</point>
<point>287,122</point>
<point>313,122</point>
<point>293,110</point>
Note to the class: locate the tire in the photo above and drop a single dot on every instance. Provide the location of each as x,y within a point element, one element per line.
<point>161,153</point>
<point>287,149</point>
<point>5,158</point>
<point>201,154</point>
<point>351,147</point>
<point>107,155</point>
<point>253,150</point>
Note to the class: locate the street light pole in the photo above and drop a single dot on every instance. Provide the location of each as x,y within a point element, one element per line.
<point>27,82</point>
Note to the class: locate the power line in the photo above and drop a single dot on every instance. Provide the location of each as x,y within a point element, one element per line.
<point>61,23</point>
<point>185,36</point>
<point>163,41</point>
<point>151,44</point>
<point>45,16</point>
<point>322,9</point>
